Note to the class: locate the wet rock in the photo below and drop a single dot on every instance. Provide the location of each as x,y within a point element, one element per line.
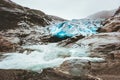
<point>103,45</point>
<point>70,41</point>
<point>76,67</point>
<point>60,41</point>
<point>48,74</point>
<point>6,45</point>
<point>102,42</point>
<point>107,46</point>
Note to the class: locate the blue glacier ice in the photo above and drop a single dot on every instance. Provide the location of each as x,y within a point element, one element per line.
<point>75,27</point>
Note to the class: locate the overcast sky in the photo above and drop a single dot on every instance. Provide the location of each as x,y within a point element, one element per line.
<point>70,9</point>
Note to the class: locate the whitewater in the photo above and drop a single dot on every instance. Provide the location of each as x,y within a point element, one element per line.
<point>51,55</point>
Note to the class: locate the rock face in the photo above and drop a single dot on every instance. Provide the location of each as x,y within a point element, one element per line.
<point>12,15</point>
<point>102,14</point>
<point>24,24</point>
<point>103,42</point>
<point>107,46</point>
<point>112,24</point>
<point>117,13</point>
<point>102,45</point>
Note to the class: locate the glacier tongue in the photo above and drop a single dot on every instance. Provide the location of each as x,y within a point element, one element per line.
<point>75,27</point>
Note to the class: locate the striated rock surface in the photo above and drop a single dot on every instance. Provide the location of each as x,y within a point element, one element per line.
<point>70,41</point>
<point>112,24</point>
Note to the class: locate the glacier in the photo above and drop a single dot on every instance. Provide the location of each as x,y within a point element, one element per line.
<point>75,27</point>
<point>52,55</point>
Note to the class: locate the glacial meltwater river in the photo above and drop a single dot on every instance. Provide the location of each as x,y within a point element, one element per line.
<point>51,55</point>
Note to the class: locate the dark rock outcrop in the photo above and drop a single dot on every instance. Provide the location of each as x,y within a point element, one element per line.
<point>48,74</point>
<point>12,14</point>
<point>117,13</point>
<point>70,41</point>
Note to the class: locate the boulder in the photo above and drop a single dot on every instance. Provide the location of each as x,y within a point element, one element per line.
<point>70,41</point>
<point>76,67</point>
<point>6,45</point>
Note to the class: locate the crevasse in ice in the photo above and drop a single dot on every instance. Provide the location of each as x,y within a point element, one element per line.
<point>75,27</point>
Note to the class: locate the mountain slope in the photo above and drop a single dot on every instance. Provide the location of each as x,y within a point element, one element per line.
<point>102,14</point>
<point>112,24</point>
<point>12,14</point>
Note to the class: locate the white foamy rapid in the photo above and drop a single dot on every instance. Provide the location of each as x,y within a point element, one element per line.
<point>43,56</point>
